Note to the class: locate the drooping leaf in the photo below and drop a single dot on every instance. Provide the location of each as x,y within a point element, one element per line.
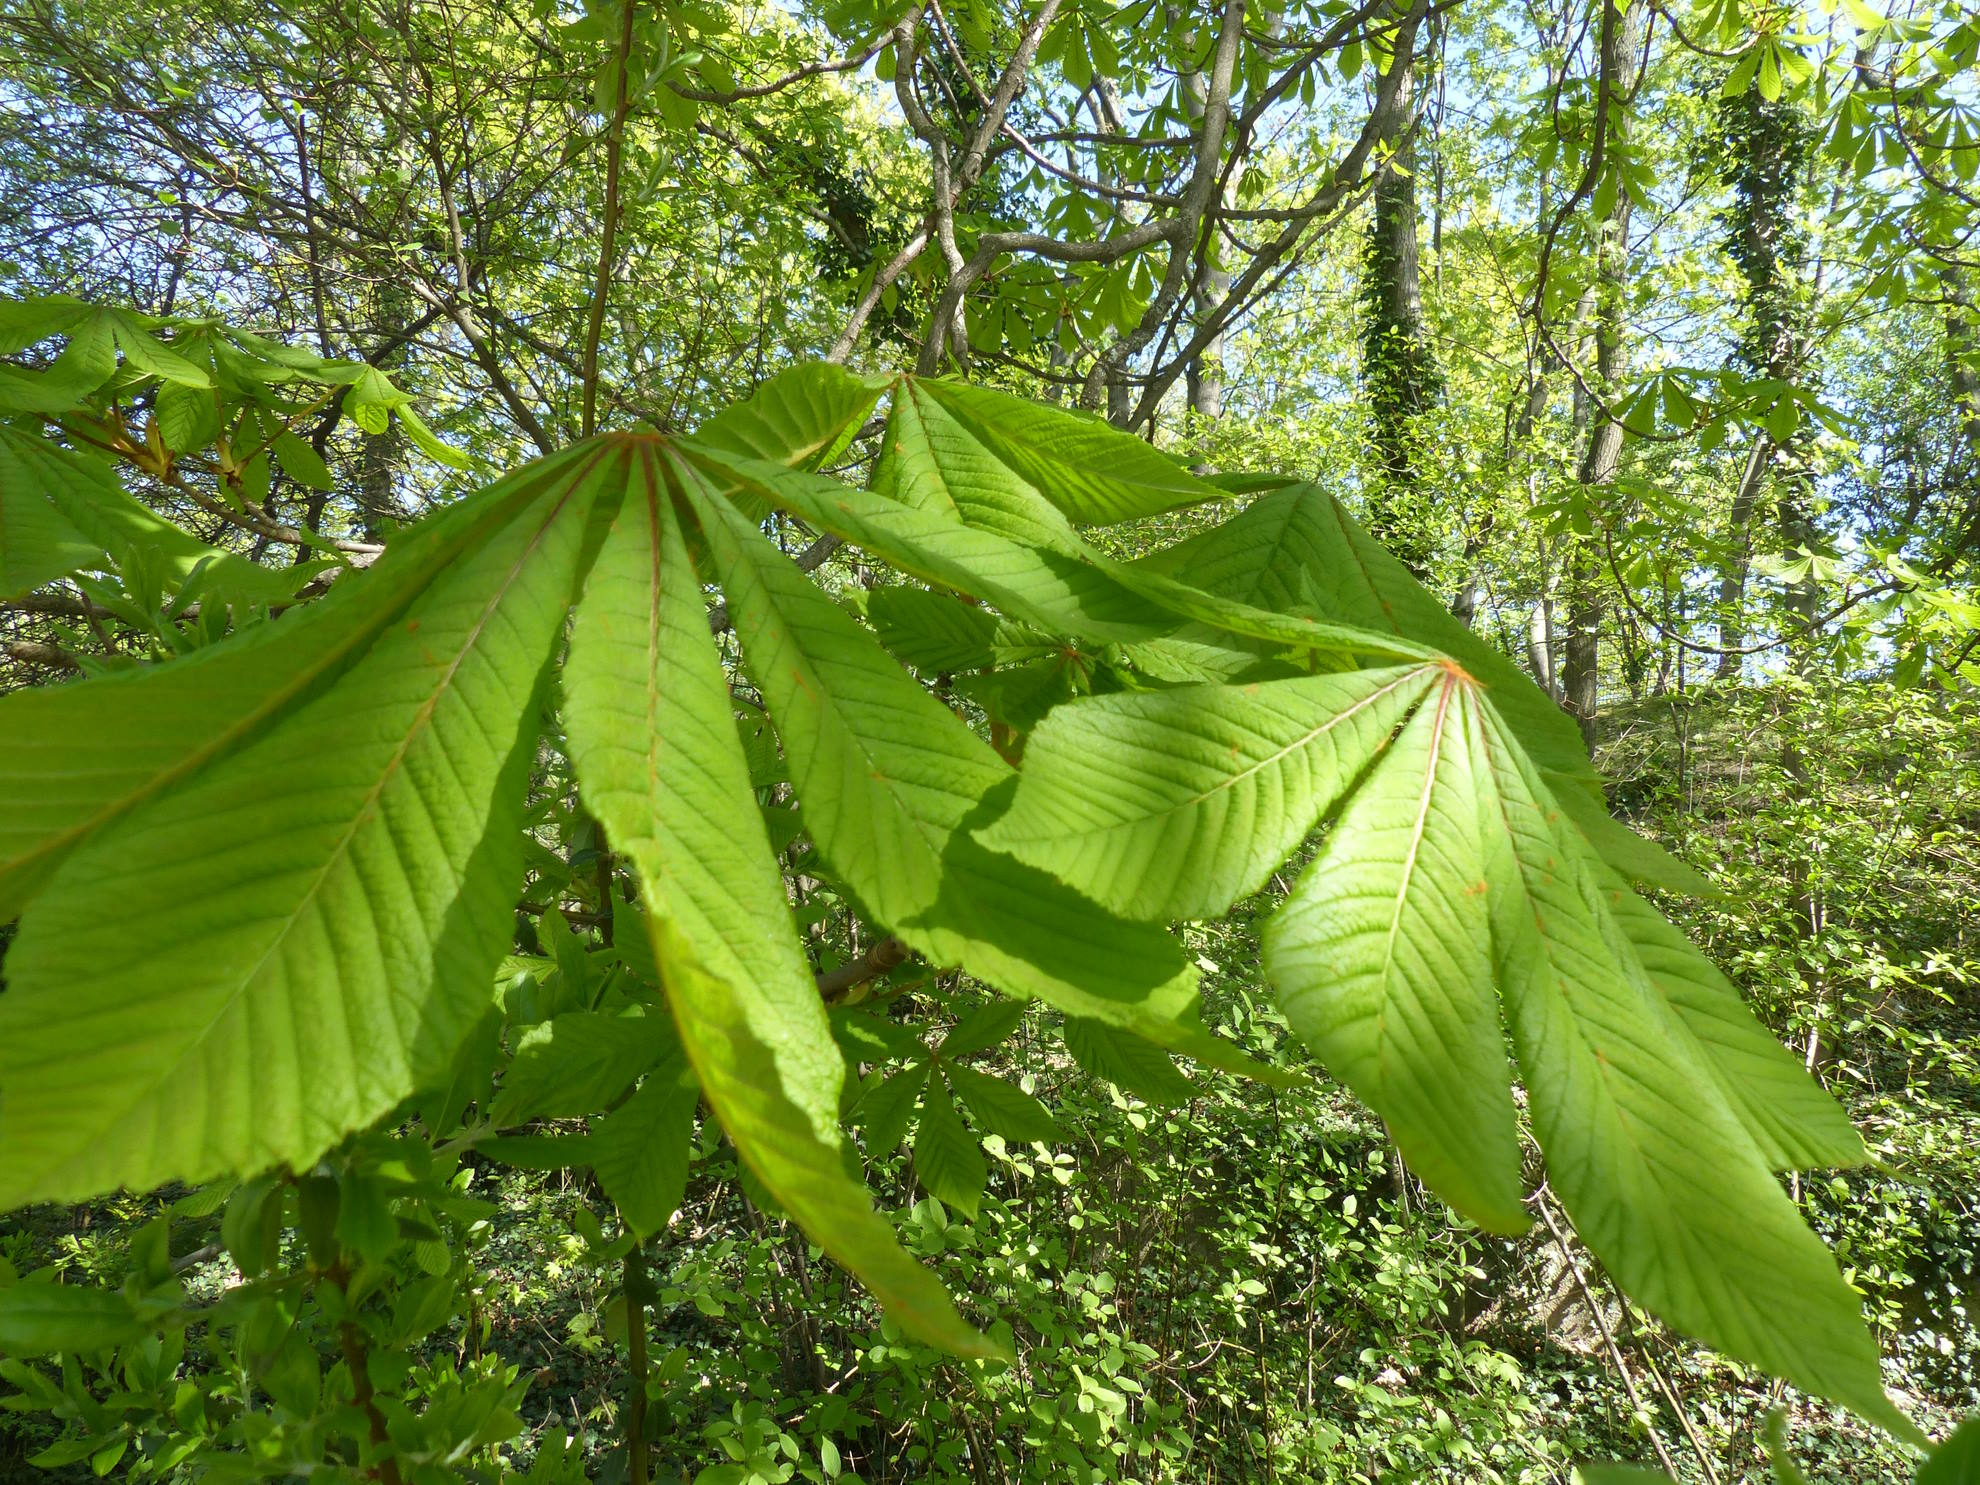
<point>1001,1108</point>
<point>947,1159</point>
<point>801,417</point>
<point>1134,1065</point>
<point>306,934</point>
<point>1632,855</point>
<point>37,542</point>
<point>1077,594</point>
<point>578,1062</point>
<point>87,496</point>
<point>888,1108</point>
<point>1788,1115</point>
<point>1174,804</point>
<point>640,1150</point>
<point>983,1028</point>
<point>660,765</point>
<point>86,362</point>
<point>1091,470</point>
<point>38,317</point>
<point>931,461</point>
<point>1381,964</point>
<point>1663,1183</point>
<point>37,1318</point>
<point>798,417</point>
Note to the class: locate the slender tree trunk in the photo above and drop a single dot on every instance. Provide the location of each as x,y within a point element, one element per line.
<point>384,454</point>
<point>1624,39</point>
<point>1739,558</point>
<point>1205,374</point>
<point>1963,368</point>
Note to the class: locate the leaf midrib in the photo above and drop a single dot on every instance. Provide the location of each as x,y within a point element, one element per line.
<point>422,719</point>
<point>1444,694</point>
<point>1231,781</point>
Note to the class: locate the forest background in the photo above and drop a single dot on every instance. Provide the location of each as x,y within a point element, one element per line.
<point>1644,337</point>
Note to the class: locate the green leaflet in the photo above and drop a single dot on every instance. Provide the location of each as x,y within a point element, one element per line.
<point>1296,548</point>
<point>1056,591</point>
<point>1000,1107</point>
<point>640,1150</point>
<point>930,461</point>
<point>1091,470</point>
<point>1662,1182</point>
<point>1072,593</point>
<point>306,934</point>
<point>723,1025</point>
<point>1630,854</point>
<point>1131,1063</point>
<point>38,1319</point>
<point>800,417</point>
<point>892,783</point>
<point>947,1159</point>
<point>659,763</point>
<point>37,542</point>
<point>86,363</point>
<point>1788,1115</point>
<point>934,632</point>
<point>1174,804</point>
<point>25,321</point>
<point>888,1107</point>
<point>70,761</point>
<point>1381,963</point>
<point>982,1028</point>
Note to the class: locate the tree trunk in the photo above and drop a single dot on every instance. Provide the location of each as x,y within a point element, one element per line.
<point>1398,370</point>
<point>1766,164</point>
<point>1602,456</point>
<point>384,453</point>
<point>1963,368</point>
<point>1205,373</point>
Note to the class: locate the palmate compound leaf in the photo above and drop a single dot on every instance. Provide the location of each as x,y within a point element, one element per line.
<point>44,486</point>
<point>891,783</point>
<point>1450,888</point>
<point>649,720</point>
<point>1296,548</point>
<point>71,759</point>
<point>305,934</point>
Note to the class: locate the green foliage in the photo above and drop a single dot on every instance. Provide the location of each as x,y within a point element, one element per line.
<point>238,960</point>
